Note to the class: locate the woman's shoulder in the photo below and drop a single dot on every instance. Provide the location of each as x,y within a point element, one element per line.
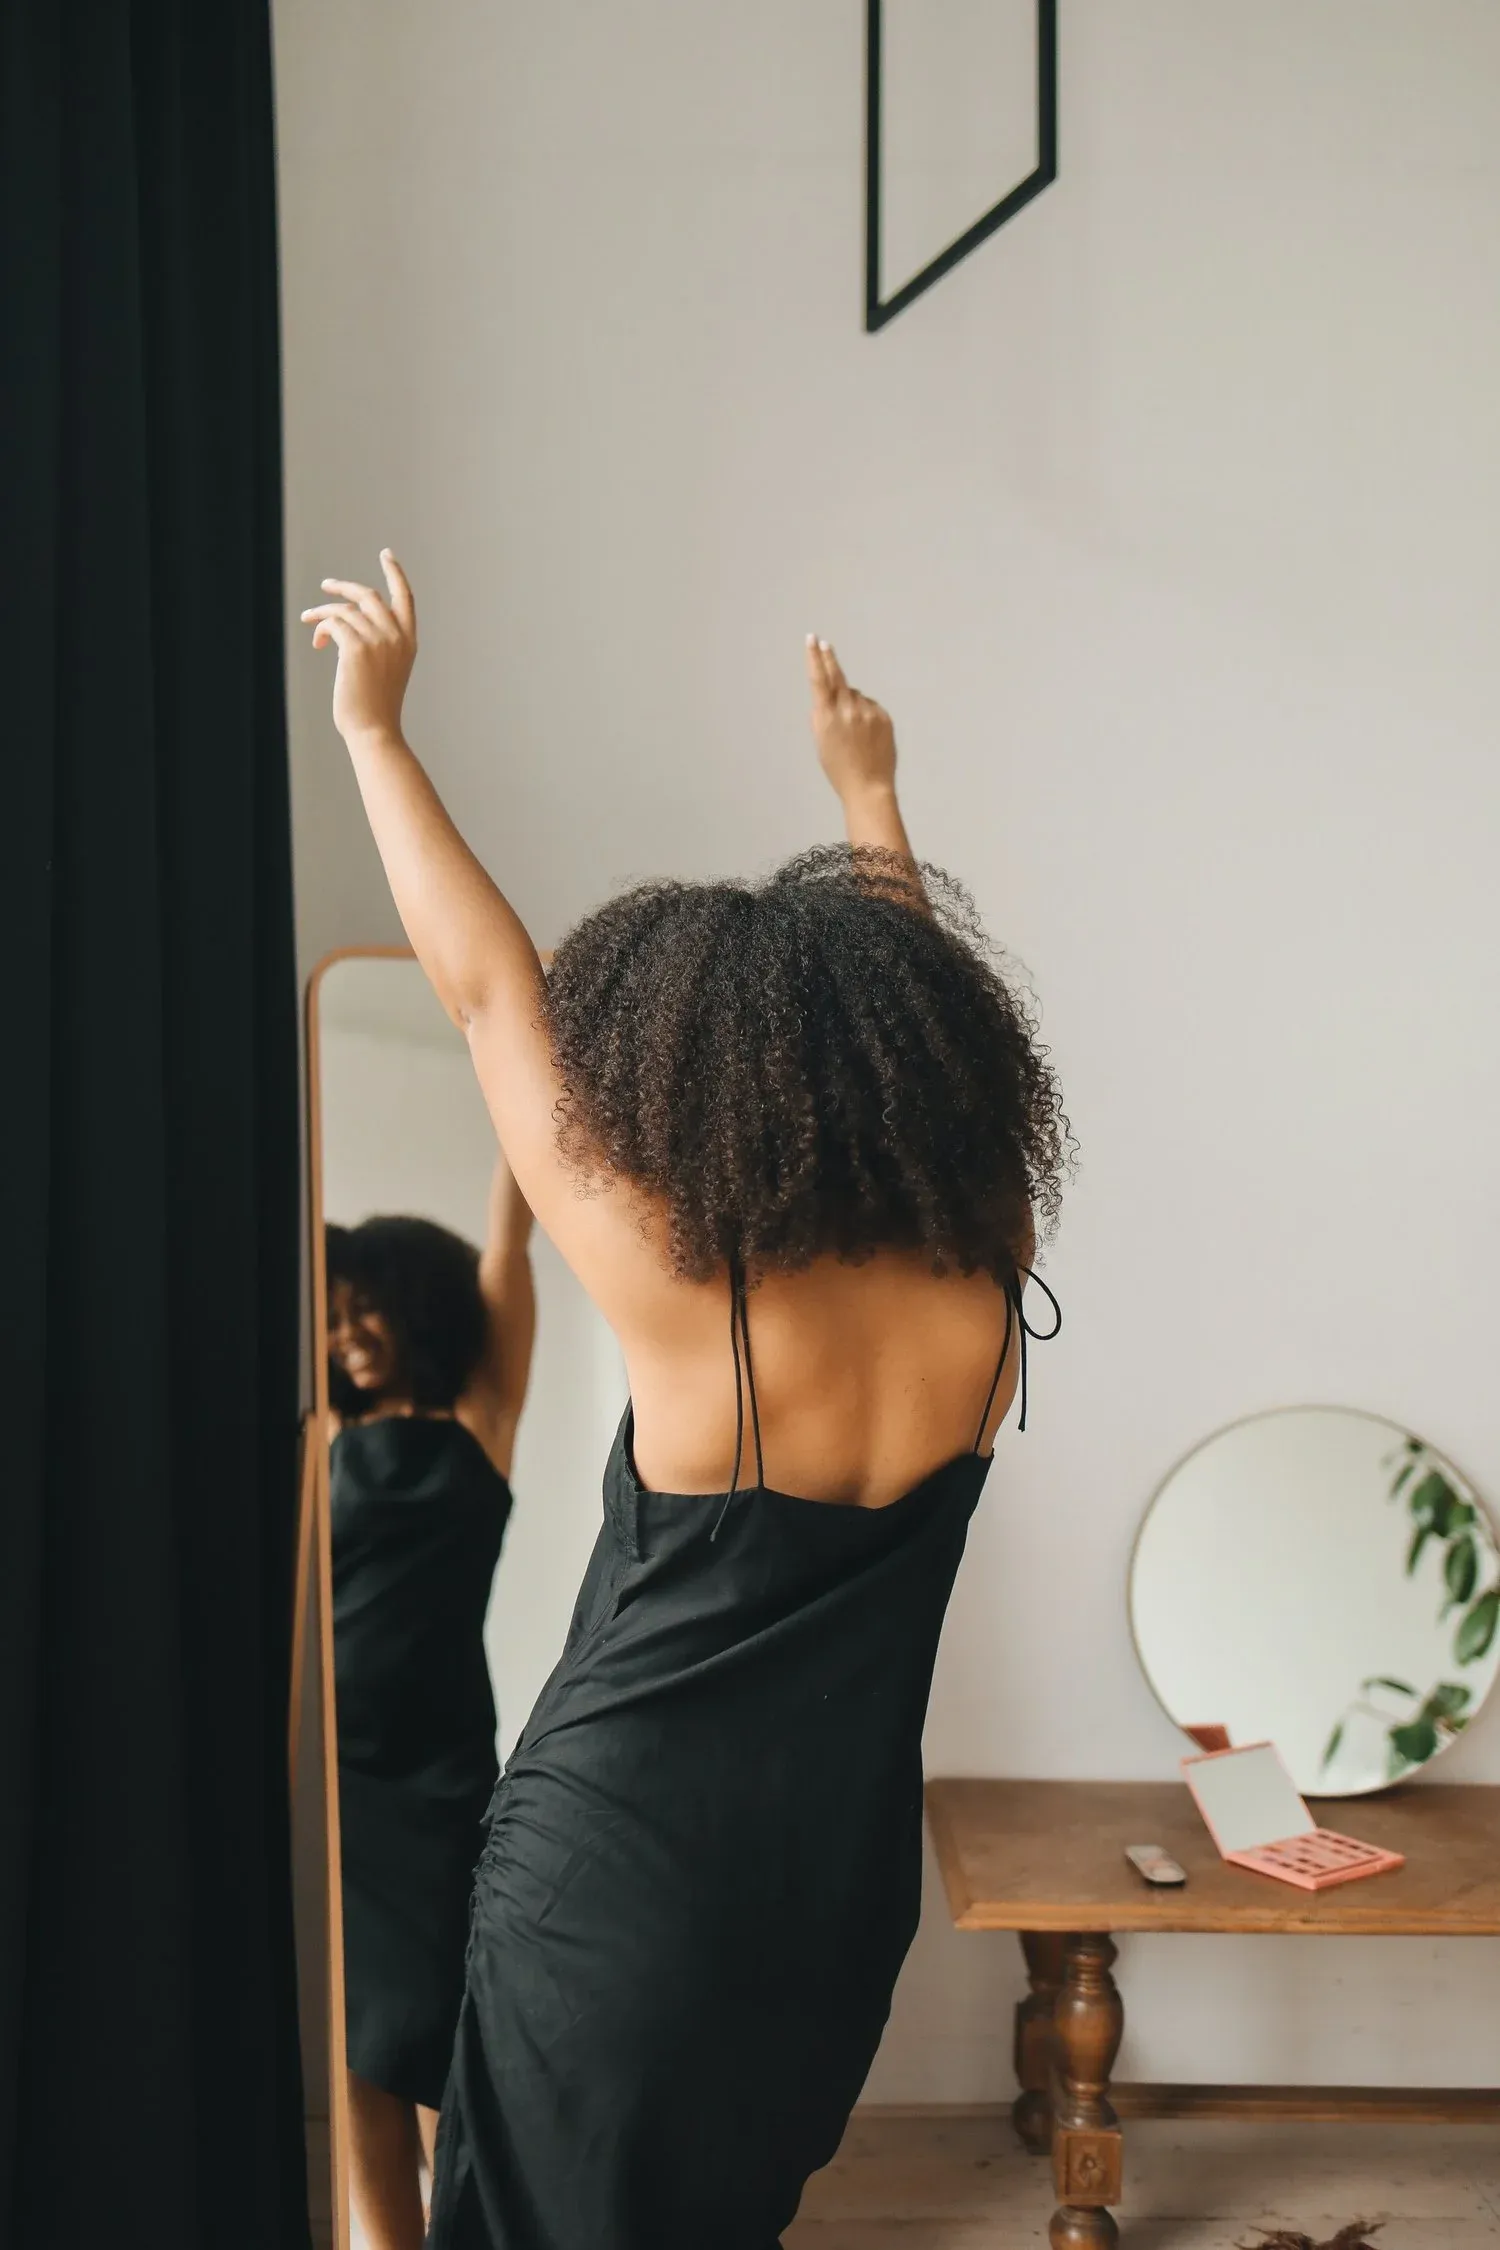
<point>489,1425</point>
<point>418,1456</point>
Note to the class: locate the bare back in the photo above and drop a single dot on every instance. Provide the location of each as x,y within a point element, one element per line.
<point>867,1377</point>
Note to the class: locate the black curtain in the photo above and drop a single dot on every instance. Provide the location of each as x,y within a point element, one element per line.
<point>149,2086</point>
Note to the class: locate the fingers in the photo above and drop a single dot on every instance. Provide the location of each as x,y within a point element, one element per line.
<point>383,620</point>
<point>403,606</point>
<point>825,673</point>
<point>363,598</point>
<point>340,631</point>
<point>359,624</point>
<point>833,671</point>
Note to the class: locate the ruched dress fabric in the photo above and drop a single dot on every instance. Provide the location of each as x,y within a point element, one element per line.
<point>418,1515</point>
<point>703,1869</point>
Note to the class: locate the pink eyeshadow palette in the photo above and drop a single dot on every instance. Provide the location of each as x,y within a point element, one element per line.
<point>1258,1821</point>
<point>1318,1860</point>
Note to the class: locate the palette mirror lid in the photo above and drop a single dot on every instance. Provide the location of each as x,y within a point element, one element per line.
<point>1247,1798</point>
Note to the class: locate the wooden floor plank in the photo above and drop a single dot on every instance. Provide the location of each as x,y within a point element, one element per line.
<point>1137,2234</point>
<point>958,2181</point>
<point>1313,2105</point>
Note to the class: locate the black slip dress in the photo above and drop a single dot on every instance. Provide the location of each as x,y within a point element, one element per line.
<point>703,1865</point>
<point>418,1513</point>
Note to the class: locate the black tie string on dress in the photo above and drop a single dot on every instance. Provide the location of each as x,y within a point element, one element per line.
<point>739,1325</point>
<point>744,1372</point>
<point>1015,1309</point>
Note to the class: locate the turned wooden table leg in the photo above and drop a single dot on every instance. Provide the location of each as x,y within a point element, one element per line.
<point>1087,2022</point>
<point>1031,2112</point>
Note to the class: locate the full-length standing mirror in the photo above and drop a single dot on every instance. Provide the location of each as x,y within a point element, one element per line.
<point>465,1391</point>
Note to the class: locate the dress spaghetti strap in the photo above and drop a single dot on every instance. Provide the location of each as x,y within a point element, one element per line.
<point>740,1311</point>
<point>1011,1301</point>
<point>744,1369</point>
<point>744,1379</point>
<point>1015,1315</point>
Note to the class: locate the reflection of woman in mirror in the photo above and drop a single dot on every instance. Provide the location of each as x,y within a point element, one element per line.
<point>429,1349</point>
<point>806,1116</point>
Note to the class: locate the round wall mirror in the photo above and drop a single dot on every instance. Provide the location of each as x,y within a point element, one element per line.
<point>1320,1579</point>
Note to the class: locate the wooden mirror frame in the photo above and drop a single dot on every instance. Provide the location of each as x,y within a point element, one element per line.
<point>313,1595</point>
<point>314,1591</point>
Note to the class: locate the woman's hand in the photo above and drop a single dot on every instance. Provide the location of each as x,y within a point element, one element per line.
<point>857,748</point>
<point>855,738</point>
<point>377,644</point>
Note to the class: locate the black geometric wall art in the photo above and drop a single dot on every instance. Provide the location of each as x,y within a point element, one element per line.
<point>879,312</point>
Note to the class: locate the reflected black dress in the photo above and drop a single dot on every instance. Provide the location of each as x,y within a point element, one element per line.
<point>418,1514</point>
<point>703,1868</point>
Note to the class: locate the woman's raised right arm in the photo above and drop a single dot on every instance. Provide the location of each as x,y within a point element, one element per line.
<point>468,938</point>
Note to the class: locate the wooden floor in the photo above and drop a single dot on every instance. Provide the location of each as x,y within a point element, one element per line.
<point>957,2182</point>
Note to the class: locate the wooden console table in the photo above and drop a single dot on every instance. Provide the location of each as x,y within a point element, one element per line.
<point>1046,1859</point>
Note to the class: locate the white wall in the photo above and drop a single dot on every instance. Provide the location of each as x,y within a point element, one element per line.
<point>1168,527</point>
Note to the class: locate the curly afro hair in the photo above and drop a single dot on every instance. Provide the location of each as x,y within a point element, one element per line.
<point>807,1066</point>
<point>424,1284</point>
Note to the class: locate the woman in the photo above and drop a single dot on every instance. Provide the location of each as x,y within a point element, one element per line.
<point>808,1117</point>
<point>429,1349</point>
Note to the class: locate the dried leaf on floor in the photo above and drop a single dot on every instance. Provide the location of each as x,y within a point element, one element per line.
<point>1355,2236</point>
